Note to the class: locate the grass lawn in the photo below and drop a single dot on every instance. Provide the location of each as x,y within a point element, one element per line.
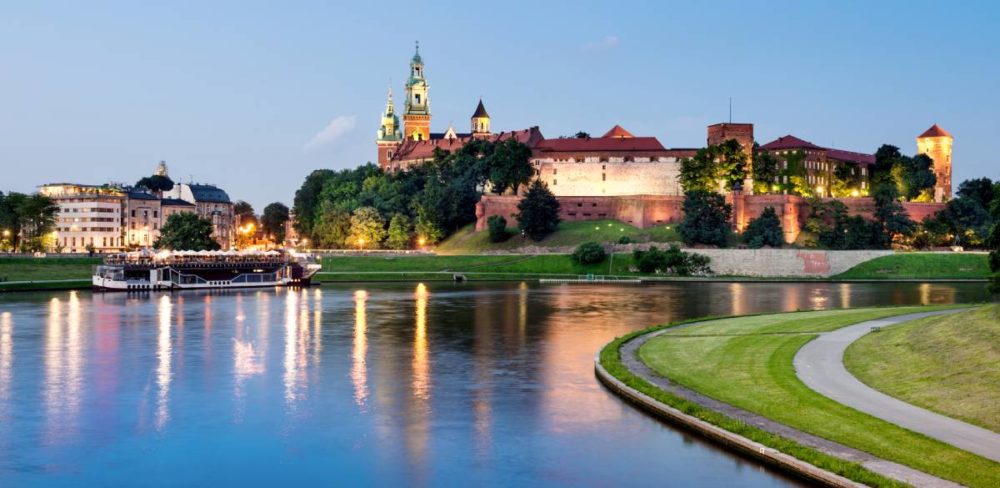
<point>922,265</point>
<point>25,269</point>
<point>747,362</point>
<point>569,234</point>
<point>948,364</point>
<point>549,264</point>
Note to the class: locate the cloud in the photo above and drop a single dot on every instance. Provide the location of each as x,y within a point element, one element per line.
<point>337,128</point>
<point>609,42</point>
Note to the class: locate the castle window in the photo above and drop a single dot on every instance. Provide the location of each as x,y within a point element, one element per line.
<point>417,97</point>
<point>554,182</point>
<point>604,177</point>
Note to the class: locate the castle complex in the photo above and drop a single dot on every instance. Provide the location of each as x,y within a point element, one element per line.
<point>593,176</point>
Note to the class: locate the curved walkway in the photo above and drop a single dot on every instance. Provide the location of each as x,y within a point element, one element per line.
<point>820,365</point>
<point>630,359</point>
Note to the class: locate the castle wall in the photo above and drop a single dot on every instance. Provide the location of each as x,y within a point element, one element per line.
<point>645,211</point>
<point>611,178</point>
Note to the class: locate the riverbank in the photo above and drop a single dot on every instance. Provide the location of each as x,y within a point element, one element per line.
<point>746,265</point>
<point>737,374</point>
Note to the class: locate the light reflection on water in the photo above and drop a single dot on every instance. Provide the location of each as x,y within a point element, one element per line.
<point>433,384</point>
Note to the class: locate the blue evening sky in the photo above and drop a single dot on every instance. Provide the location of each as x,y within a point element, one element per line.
<point>254,95</point>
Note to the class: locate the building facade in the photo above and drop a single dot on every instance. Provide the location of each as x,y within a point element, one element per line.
<point>89,216</point>
<point>212,203</point>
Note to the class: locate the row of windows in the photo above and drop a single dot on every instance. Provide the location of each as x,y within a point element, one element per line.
<point>145,213</point>
<point>87,219</point>
<point>87,229</point>
<point>88,209</point>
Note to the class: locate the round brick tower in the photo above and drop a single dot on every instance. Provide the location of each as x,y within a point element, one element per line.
<point>936,143</point>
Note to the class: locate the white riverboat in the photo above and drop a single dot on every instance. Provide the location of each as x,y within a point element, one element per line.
<point>170,270</point>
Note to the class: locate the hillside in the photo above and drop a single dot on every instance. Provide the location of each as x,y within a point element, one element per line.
<point>567,236</point>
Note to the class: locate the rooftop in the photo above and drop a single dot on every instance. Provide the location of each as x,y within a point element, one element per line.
<point>934,131</point>
<point>789,142</point>
<point>619,132</point>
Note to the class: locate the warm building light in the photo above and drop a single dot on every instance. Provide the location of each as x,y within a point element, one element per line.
<point>421,241</point>
<point>855,193</point>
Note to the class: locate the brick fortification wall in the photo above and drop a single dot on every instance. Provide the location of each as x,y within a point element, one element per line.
<point>650,210</point>
<point>657,177</point>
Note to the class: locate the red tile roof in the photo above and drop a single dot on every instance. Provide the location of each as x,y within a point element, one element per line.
<point>600,144</point>
<point>934,131</point>
<point>619,132</point>
<point>789,142</point>
<point>850,156</point>
<point>412,150</point>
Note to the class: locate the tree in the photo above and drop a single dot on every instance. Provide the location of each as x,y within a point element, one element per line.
<point>367,228</point>
<point>11,219</point>
<point>993,241</point>
<point>892,218</point>
<point>732,163</point>
<point>698,173</point>
<point>186,231</point>
<point>29,219</point>
<point>589,253</point>
<point>706,219</point>
<point>245,212</point>
<point>979,190</point>
<point>914,177</point>
<point>400,232</point>
<point>273,221</point>
<point>156,183</point>
<point>966,219</point>
<point>497,226</point>
<point>509,166</point>
<point>538,212</point>
<point>307,201</point>
<point>332,228</point>
<point>671,261</point>
<point>581,135</point>
<point>846,181</point>
<point>764,230</point>
<point>766,171</point>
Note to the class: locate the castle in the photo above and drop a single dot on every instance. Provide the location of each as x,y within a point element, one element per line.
<point>596,175</point>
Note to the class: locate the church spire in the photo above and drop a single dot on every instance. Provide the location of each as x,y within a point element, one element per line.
<point>417,117</point>
<point>389,130</point>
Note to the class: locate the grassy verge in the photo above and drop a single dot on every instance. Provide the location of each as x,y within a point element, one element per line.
<point>28,269</point>
<point>948,364</point>
<point>610,358</point>
<point>569,234</point>
<point>46,285</point>
<point>922,265</point>
<point>747,362</point>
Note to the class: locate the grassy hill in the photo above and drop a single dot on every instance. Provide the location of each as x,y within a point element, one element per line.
<point>568,235</point>
<point>924,265</point>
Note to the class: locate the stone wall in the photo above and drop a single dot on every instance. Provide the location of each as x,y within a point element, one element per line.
<point>785,262</point>
<point>660,177</point>
<point>650,210</point>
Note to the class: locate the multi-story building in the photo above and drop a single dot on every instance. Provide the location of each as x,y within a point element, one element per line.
<point>212,203</point>
<point>141,215</point>
<point>89,216</point>
<point>820,163</point>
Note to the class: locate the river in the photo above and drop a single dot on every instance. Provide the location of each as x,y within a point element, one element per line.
<point>376,384</point>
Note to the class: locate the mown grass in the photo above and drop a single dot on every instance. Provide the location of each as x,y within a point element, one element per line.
<point>548,264</point>
<point>922,265</point>
<point>610,358</point>
<point>949,364</point>
<point>569,234</point>
<point>28,269</point>
<point>747,362</point>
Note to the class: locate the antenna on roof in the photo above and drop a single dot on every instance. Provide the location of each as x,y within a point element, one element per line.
<point>730,110</point>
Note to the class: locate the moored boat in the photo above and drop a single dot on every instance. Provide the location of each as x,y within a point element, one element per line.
<point>168,270</point>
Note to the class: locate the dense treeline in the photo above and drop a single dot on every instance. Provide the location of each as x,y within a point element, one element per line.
<point>26,222</point>
<point>426,203</point>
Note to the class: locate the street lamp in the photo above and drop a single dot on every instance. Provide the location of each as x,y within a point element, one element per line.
<point>421,241</point>
<point>361,244</point>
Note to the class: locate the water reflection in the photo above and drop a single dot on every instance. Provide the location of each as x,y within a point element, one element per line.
<point>359,370</point>
<point>383,384</point>
<point>163,362</point>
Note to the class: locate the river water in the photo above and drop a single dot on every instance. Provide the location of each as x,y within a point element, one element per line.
<point>374,384</point>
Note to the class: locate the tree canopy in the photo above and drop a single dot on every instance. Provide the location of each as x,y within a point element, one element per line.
<point>273,221</point>
<point>724,163</point>
<point>706,219</point>
<point>156,183</point>
<point>764,230</point>
<point>29,219</point>
<point>186,231</point>
<point>538,212</point>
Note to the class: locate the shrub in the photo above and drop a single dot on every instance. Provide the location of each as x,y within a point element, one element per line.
<point>624,240</point>
<point>498,228</point>
<point>764,230</point>
<point>589,253</point>
<point>671,261</point>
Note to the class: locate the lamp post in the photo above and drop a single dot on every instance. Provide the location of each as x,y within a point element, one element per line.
<point>361,244</point>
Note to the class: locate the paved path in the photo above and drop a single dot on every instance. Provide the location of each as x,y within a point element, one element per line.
<point>876,464</point>
<point>820,365</point>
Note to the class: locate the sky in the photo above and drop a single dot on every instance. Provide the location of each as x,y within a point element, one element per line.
<point>252,96</point>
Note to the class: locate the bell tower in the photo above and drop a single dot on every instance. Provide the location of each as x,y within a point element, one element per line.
<point>480,121</point>
<point>936,143</point>
<point>417,118</point>
<point>389,135</point>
